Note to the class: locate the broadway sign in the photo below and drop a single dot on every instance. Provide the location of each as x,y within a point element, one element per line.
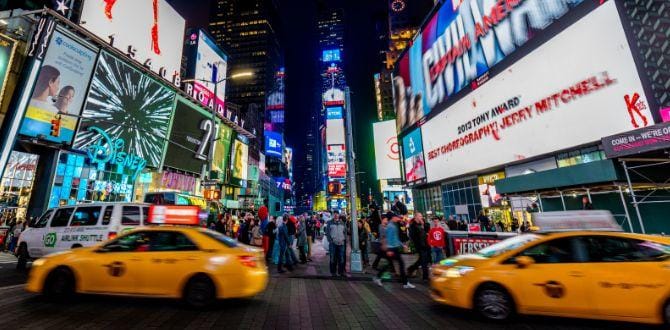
<point>640,140</point>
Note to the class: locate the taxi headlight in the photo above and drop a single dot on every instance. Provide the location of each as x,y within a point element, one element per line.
<point>458,271</point>
<point>39,262</point>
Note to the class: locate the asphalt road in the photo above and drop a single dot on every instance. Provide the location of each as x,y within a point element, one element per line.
<point>288,303</point>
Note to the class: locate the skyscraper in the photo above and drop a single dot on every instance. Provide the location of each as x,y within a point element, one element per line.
<point>247,30</point>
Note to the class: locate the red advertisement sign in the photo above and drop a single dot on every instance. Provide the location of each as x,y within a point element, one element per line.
<point>337,170</point>
<point>465,245</point>
<point>174,215</point>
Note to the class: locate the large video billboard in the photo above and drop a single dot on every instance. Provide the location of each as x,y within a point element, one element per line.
<point>190,138</point>
<point>149,31</point>
<point>573,90</point>
<point>127,105</point>
<point>240,161</point>
<point>222,146</point>
<point>460,43</point>
<point>207,66</point>
<point>337,161</point>
<point>60,90</point>
<point>273,144</point>
<point>7,47</point>
<point>335,131</point>
<point>387,152</point>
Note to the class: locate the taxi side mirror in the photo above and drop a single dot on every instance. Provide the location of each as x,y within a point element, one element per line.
<point>524,261</point>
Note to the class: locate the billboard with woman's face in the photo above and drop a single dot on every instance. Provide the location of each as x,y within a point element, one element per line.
<point>60,90</point>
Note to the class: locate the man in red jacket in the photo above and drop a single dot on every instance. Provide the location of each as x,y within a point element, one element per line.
<point>436,239</point>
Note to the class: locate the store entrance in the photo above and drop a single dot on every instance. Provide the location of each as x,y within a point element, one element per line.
<point>16,187</point>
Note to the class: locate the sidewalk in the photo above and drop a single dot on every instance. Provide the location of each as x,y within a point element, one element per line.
<point>319,267</point>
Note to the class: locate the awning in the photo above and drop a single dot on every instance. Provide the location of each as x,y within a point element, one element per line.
<point>588,173</point>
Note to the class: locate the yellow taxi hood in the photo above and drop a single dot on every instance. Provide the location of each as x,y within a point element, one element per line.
<point>472,260</point>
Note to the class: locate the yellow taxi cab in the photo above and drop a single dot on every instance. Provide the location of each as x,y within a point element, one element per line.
<point>596,272</point>
<point>195,264</point>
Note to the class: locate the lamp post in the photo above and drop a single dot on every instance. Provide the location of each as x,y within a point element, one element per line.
<point>355,260</point>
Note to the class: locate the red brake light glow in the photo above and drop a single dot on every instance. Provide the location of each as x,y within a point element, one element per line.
<point>111,235</point>
<point>249,261</point>
<point>174,215</point>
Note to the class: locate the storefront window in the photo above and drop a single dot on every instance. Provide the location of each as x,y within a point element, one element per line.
<point>582,156</point>
<point>16,186</point>
<point>78,180</point>
<point>460,195</point>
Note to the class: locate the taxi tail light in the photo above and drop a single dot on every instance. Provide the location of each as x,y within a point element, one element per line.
<point>111,235</point>
<point>249,261</point>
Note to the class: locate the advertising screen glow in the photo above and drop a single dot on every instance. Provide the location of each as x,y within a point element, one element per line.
<point>60,90</point>
<point>387,152</point>
<point>127,105</point>
<point>273,144</point>
<point>573,90</point>
<point>331,55</point>
<point>335,131</point>
<point>190,138</point>
<point>208,68</point>
<point>460,43</point>
<point>240,160</point>
<point>415,165</point>
<point>149,31</point>
<point>337,166</point>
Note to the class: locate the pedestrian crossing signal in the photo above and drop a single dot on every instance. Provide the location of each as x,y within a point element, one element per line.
<point>55,126</point>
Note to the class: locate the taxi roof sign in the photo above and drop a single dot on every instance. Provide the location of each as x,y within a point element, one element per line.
<point>562,221</point>
<point>174,215</point>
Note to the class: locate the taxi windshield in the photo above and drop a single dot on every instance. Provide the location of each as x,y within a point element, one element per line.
<point>507,245</point>
<point>221,238</point>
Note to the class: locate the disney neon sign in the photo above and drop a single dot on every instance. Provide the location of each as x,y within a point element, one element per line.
<point>110,151</point>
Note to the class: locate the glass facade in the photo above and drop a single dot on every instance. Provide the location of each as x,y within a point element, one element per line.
<point>461,195</point>
<point>78,180</point>
<point>16,186</point>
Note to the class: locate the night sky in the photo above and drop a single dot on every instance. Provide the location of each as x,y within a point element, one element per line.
<point>299,41</point>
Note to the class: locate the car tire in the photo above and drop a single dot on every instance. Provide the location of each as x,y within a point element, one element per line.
<point>494,303</point>
<point>60,284</point>
<point>75,246</point>
<point>23,256</point>
<point>666,313</point>
<point>199,291</point>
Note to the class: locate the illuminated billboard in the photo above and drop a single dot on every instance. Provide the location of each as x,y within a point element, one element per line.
<point>415,165</point>
<point>459,44</point>
<point>206,70</point>
<point>387,152</point>
<point>337,161</point>
<point>60,90</point>
<point>330,55</point>
<point>7,47</point>
<point>190,138</point>
<point>333,97</point>
<point>572,90</point>
<point>127,105</point>
<point>240,161</point>
<point>334,113</point>
<point>273,144</point>
<point>149,31</point>
<point>335,131</point>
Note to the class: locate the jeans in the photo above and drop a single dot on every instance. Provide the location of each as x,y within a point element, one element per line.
<point>337,259</point>
<point>424,259</point>
<point>283,255</point>
<point>437,254</point>
<point>396,257</point>
<point>291,253</point>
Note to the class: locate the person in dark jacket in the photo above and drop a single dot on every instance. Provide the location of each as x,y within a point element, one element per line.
<point>243,232</point>
<point>452,223</point>
<point>282,238</point>
<point>269,232</point>
<point>418,233</point>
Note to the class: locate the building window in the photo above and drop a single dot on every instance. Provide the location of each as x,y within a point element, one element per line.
<point>461,196</point>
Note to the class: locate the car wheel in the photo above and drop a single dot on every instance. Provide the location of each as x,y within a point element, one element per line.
<point>494,303</point>
<point>23,257</point>
<point>666,313</point>
<point>60,284</point>
<point>75,246</point>
<point>199,291</point>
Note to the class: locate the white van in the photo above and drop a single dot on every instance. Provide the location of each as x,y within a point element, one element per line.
<point>79,225</point>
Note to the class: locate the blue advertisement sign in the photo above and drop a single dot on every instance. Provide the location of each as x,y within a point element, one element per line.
<point>273,144</point>
<point>415,165</point>
<point>334,113</point>
<point>458,46</point>
<point>331,55</point>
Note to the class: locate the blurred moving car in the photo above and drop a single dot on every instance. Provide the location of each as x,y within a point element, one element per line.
<point>192,263</point>
<point>597,272</point>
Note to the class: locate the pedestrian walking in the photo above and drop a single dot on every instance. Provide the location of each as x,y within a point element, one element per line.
<point>363,239</point>
<point>393,249</point>
<point>311,235</point>
<point>256,234</point>
<point>436,241</point>
<point>302,240</point>
<point>336,233</point>
<point>282,238</point>
<point>292,226</point>
<point>270,234</point>
<point>419,235</point>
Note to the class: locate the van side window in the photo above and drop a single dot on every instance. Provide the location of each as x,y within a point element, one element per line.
<point>86,216</point>
<point>107,216</point>
<point>62,217</point>
<point>42,221</point>
<point>130,216</point>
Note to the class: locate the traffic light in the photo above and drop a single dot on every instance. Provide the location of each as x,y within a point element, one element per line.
<point>55,126</point>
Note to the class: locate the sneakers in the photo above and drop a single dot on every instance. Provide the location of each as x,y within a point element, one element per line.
<point>377,281</point>
<point>408,286</point>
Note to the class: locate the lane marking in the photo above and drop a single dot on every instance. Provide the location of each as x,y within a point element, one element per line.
<point>9,287</point>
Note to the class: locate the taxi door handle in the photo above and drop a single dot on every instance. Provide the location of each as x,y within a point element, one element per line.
<point>135,259</point>
<point>576,274</point>
<point>191,258</point>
